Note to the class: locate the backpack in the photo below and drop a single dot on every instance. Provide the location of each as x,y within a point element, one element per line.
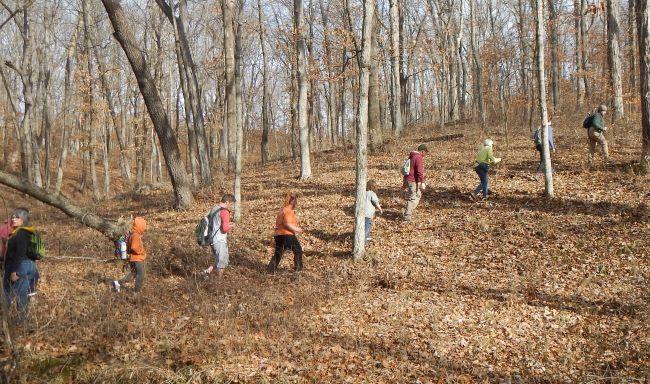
<point>589,121</point>
<point>121,246</point>
<point>406,168</point>
<point>36,247</point>
<point>536,136</point>
<point>204,229</point>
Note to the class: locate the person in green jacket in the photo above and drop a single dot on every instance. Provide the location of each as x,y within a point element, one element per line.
<point>484,158</point>
<point>596,132</point>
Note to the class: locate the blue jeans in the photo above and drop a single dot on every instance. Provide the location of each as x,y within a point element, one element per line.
<point>19,290</point>
<point>368,227</point>
<point>482,171</point>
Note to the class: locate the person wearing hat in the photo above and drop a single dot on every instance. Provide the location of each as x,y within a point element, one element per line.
<point>414,181</point>
<point>596,132</point>
<point>484,159</point>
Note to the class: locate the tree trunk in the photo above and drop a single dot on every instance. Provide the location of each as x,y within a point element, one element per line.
<point>240,128</point>
<point>264,147</point>
<point>171,152</point>
<point>228,9</point>
<point>331,87</point>
<point>643,35</point>
<point>362,130</point>
<point>633,43</point>
<point>541,86</point>
<point>583,47</point>
<point>555,55</point>
<point>478,65</point>
<point>577,36</point>
<point>90,101</point>
<point>614,59</point>
<point>303,85</point>
<point>374,112</point>
<point>396,89</point>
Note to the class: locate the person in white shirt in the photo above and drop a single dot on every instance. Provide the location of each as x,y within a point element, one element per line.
<point>372,204</point>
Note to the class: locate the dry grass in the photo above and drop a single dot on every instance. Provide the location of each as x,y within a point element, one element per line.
<point>515,289</point>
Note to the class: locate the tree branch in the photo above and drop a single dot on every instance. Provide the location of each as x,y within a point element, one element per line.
<point>108,229</point>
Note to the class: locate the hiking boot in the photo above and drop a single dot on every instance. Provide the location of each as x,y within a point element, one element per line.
<point>115,285</point>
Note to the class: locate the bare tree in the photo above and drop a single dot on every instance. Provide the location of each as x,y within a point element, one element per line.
<point>362,130</point>
<point>614,58</point>
<point>541,87</point>
<point>303,85</point>
<point>396,90</point>
<point>643,35</point>
<point>171,152</point>
<point>265,84</point>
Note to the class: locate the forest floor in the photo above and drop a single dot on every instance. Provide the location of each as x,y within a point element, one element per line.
<point>517,288</point>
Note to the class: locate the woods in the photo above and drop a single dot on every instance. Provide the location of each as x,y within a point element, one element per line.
<point>158,109</point>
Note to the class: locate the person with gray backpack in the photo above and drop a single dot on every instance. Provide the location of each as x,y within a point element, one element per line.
<point>216,236</point>
<point>595,125</point>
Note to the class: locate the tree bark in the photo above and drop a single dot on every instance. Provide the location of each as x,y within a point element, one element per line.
<point>577,36</point>
<point>171,152</point>
<point>228,9</point>
<point>264,146</point>
<point>643,36</point>
<point>555,55</point>
<point>240,127</point>
<point>478,65</point>
<point>614,59</point>
<point>541,87</point>
<point>303,87</point>
<point>374,111</point>
<point>362,130</point>
<point>396,89</point>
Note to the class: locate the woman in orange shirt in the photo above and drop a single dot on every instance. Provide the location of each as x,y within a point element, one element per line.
<point>286,229</point>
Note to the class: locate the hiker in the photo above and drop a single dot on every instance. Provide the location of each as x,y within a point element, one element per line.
<point>220,225</point>
<point>537,137</point>
<point>20,275</point>
<point>286,229</point>
<point>595,124</point>
<point>484,159</point>
<point>414,181</point>
<point>372,204</point>
<point>137,256</point>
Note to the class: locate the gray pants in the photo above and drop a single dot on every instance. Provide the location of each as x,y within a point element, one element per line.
<point>136,269</point>
<point>220,253</point>
<point>412,198</point>
<point>596,138</point>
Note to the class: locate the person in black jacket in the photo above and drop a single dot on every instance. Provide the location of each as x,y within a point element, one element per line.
<point>20,271</point>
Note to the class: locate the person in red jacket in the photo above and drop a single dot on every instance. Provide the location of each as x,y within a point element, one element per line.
<point>137,256</point>
<point>414,181</point>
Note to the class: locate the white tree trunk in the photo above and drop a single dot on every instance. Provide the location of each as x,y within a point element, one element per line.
<point>396,90</point>
<point>614,58</point>
<point>303,85</point>
<point>541,81</point>
<point>643,36</point>
<point>362,131</point>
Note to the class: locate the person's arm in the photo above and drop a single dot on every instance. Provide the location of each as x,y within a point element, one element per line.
<point>375,201</point>
<point>418,169</point>
<point>291,222</point>
<point>135,244</point>
<point>490,156</point>
<point>226,225</point>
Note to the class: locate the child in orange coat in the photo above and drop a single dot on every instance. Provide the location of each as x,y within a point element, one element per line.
<point>137,256</point>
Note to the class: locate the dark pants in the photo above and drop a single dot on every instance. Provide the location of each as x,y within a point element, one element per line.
<point>19,290</point>
<point>136,269</point>
<point>482,171</point>
<point>282,243</point>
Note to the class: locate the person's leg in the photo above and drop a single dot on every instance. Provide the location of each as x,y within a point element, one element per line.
<point>139,275</point>
<point>223,258</point>
<point>6,285</point>
<point>129,274</point>
<point>593,140</point>
<point>413,200</point>
<point>603,142</point>
<point>486,184</point>
<point>33,283</point>
<point>540,166</point>
<point>294,244</point>
<point>277,254</point>
<point>21,288</point>
<point>368,227</point>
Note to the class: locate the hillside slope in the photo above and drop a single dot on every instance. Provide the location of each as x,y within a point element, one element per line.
<point>516,288</point>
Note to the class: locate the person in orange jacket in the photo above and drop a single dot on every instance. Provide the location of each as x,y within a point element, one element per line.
<point>137,256</point>
<point>286,229</point>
